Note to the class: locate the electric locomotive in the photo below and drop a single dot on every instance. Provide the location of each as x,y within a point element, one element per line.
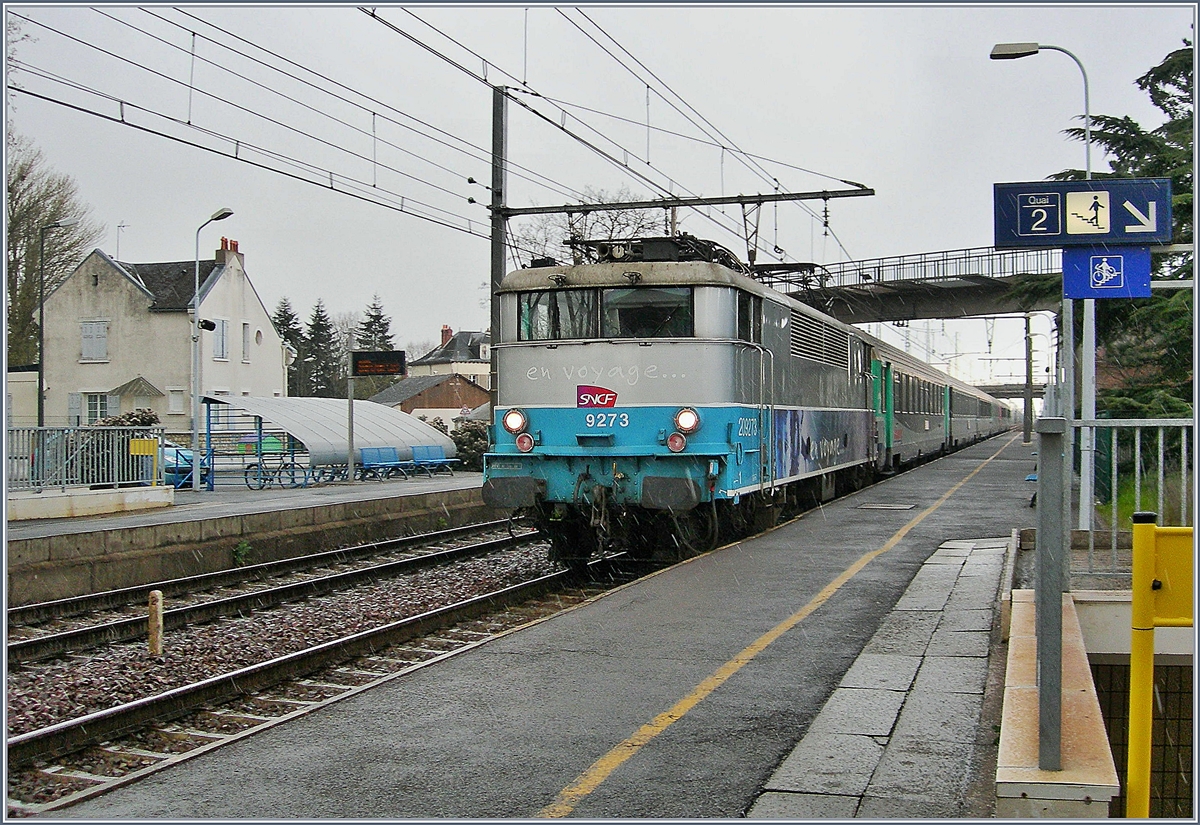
<point>661,397</point>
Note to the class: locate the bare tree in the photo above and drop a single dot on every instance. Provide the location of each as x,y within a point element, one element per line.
<point>545,236</point>
<point>38,197</point>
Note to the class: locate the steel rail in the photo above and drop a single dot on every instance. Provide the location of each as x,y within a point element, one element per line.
<point>32,614</point>
<point>123,630</point>
<point>73,734</point>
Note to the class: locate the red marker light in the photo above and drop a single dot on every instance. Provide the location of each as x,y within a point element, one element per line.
<point>676,442</point>
<point>525,442</point>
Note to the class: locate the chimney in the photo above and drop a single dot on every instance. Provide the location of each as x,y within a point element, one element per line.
<point>228,248</point>
<point>447,334</point>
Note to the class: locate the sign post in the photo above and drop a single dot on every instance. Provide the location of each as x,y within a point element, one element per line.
<point>367,364</point>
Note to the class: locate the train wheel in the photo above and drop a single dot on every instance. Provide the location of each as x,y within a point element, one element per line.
<point>695,531</point>
<point>572,543</point>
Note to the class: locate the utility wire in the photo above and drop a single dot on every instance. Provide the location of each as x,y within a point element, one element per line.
<point>479,78</point>
<point>244,109</point>
<point>475,152</point>
<point>704,141</point>
<point>329,181</point>
<point>738,152</point>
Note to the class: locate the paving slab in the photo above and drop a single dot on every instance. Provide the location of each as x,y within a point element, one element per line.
<point>886,671</point>
<point>939,717</point>
<point>792,806</point>
<point>952,674</point>
<point>859,711</point>
<point>838,764</point>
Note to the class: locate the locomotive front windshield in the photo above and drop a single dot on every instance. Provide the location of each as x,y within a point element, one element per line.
<point>559,313</point>
<point>636,312</point>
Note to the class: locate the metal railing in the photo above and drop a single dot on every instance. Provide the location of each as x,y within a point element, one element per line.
<point>1140,464</point>
<point>1055,460</point>
<point>984,262</point>
<point>42,458</point>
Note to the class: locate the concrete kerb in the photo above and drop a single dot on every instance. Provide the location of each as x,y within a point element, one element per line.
<point>902,732</point>
<point>69,564</point>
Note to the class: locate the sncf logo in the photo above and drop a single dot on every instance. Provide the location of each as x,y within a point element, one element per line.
<point>589,396</point>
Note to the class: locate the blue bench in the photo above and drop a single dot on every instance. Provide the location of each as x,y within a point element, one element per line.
<point>382,462</point>
<point>432,459</point>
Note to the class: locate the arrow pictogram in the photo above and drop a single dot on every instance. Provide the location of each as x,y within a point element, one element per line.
<point>1145,224</point>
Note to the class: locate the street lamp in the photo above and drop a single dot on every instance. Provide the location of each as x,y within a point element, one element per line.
<point>219,215</point>
<point>41,396</point>
<point>1012,51</point>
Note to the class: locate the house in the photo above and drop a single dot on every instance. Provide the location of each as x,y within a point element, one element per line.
<point>462,353</point>
<point>118,338</point>
<point>434,396</point>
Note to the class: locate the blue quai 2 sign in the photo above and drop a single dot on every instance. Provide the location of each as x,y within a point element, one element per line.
<point>1110,212</point>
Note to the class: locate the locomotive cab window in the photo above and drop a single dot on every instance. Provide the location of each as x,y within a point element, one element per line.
<point>646,312</point>
<point>749,317</point>
<point>556,314</point>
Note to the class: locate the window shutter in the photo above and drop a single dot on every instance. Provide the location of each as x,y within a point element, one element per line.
<point>114,405</point>
<point>74,409</point>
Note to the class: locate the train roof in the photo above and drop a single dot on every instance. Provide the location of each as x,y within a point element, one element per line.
<point>668,273</point>
<point>649,273</point>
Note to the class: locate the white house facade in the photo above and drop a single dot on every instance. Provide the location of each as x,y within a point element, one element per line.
<point>118,338</point>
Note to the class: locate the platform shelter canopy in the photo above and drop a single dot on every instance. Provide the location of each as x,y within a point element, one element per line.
<point>321,425</point>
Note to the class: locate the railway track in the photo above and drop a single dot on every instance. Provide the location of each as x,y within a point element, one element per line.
<point>66,762</point>
<point>115,616</point>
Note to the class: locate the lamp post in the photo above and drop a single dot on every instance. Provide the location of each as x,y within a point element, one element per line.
<point>219,215</point>
<point>1012,51</point>
<point>41,395</point>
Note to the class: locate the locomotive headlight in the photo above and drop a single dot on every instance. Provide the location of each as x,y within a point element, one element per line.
<point>676,442</point>
<point>515,421</point>
<point>687,421</point>
<point>525,442</point>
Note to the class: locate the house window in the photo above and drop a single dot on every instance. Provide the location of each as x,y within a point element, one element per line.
<point>97,406</point>
<point>93,341</point>
<point>245,343</point>
<point>175,402</point>
<point>221,341</point>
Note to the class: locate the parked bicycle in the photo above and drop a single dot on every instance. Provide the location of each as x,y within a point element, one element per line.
<point>285,473</point>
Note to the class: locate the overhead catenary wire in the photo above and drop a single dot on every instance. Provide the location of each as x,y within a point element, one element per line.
<point>328,181</point>
<point>624,166</point>
<point>734,149</point>
<point>247,110</point>
<point>473,151</point>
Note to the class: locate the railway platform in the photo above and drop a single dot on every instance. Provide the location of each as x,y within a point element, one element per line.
<point>207,531</point>
<point>843,664</point>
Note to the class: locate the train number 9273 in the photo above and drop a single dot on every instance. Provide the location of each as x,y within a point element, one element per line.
<point>605,420</point>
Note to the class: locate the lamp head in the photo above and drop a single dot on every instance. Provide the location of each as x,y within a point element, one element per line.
<point>221,214</point>
<point>64,222</point>
<point>1011,51</point>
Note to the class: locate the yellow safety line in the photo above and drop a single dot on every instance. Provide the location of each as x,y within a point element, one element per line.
<point>600,770</point>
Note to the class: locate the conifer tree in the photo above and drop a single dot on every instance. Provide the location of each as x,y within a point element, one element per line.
<point>287,324</point>
<point>320,355</point>
<point>374,334</point>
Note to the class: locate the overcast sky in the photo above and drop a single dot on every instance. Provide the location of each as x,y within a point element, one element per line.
<point>901,99</point>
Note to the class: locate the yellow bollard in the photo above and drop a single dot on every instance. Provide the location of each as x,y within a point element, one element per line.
<point>1163,565</point>
<point>1141,669</point>
<point>156,622</point>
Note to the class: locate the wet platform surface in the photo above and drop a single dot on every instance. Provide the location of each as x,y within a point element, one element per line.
<point>840,665</point>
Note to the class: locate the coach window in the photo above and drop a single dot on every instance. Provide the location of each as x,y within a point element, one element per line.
<point>556,314</point>
<point>749,320</point>
<point>646,312</point>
